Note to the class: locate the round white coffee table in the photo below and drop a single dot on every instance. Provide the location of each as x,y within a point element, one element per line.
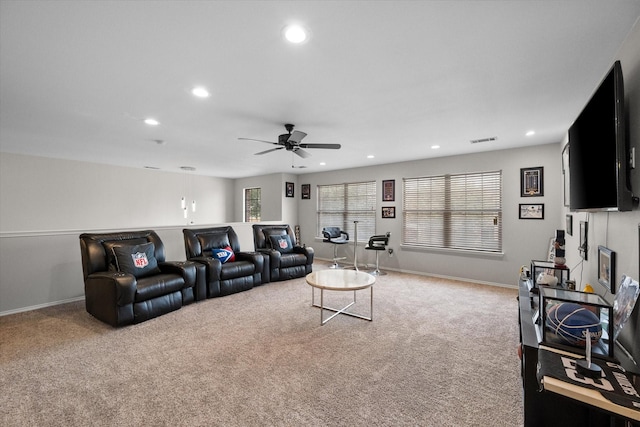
<point>340,280</point>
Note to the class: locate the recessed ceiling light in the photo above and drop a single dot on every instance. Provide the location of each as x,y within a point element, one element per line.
<point>151,122</point>
<point>531,133</point>
<point>370,156</point>
<point>200,92</point>
<point>435,147</point>
<point>295,34</point>
<point>322,164</point>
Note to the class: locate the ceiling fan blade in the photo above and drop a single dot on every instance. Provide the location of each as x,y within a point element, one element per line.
<point>328,146</point>
<point>296,136</point>
<point>259,140</point>
<point>268,151</point>
<point>301,153</point>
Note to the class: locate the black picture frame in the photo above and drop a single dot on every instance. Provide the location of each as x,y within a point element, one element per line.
<point>584,240</point>
<point>565,175</point>
<point>607,268</point>
<point>389,190</point>
<point>305,191</point>
<point>532,182</point>
<point>289,189</point>
<point>531,211</point>
<point>569,224</point>
<point>389,212</point>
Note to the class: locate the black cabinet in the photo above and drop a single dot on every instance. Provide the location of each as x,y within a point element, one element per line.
<point>544,408</point>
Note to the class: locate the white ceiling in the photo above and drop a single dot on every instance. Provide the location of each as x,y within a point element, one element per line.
<point>389,79</point>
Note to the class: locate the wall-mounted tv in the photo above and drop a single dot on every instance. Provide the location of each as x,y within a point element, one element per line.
<point>599,178</point>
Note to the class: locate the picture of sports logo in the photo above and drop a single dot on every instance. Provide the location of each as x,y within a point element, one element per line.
<point>140,260</point>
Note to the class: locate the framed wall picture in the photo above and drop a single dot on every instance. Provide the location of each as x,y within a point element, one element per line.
<point>531,211</point>
<point>569,224</point>
<point>532,182</point>
<point>584,240</point>
<point>288,189</point>
<point>305,190</point>
<point>389,190</point>
<point>565,174</point>
<point>607,268</point>
<point>389,212</point>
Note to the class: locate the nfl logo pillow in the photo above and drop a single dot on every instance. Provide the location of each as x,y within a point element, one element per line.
<point>138,260</point>
<point>281,243</point>
<point>224,254</point>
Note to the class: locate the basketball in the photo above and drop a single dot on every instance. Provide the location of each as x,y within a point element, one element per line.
<point>568,321</point>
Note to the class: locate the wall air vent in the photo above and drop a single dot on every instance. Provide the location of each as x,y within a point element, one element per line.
<point>477,141</point>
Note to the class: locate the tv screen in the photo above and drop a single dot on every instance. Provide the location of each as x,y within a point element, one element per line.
<point>598,150</point>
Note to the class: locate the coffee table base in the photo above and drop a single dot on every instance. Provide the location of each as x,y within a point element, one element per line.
<point>336,311</point>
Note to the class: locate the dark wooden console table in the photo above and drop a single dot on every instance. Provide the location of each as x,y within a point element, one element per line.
<point>559,404</point>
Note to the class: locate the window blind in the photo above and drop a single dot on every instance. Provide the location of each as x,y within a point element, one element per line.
<point>461,211</point>
<point>339,205</point>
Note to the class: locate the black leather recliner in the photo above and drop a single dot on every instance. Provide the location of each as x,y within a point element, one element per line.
<point>286,260</point>
<point>224,276</point>
<point>127,279</point>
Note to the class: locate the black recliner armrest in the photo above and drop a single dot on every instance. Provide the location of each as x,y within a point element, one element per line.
<point>116,287</point>
<point>185,269</point>
<point>307,251</point>
<point>255,258</point>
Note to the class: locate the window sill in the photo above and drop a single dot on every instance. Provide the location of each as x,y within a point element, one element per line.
<point>461,252</point>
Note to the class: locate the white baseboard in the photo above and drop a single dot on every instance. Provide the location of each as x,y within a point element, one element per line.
<point>36,307</point>
<point>440,276</point>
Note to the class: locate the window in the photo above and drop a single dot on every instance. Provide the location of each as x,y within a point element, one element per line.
<point>341,204</point>
<point>461,211</point>
<point>252,206</point>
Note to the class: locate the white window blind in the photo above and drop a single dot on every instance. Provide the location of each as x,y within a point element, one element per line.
<point>339,205</point>
<point>462,211</point>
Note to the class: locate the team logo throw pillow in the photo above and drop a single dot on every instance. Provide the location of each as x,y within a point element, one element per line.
<point>281,243</point>
<point>224,254</point>
<point>138,260</point>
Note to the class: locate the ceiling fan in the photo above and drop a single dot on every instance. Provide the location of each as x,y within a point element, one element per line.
<point>291,142</point>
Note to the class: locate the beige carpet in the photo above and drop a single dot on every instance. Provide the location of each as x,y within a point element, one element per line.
<point>438,353</point>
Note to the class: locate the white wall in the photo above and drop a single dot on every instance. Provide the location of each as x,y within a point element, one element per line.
<point>617,231</point>
<point>523,240</point>
<point>275,207</point>
<point>46,203</point>
<point>43,194</point>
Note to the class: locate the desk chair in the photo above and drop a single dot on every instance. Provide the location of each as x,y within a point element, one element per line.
<point>335,236</point>
<point>378,243</point>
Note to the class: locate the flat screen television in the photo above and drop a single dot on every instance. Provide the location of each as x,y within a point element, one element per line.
<point>599,178</point>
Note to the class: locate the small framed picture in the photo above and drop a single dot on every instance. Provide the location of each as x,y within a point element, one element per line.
<point>305,190</point>
<point>531,182</point>
<point>531,211</point>
<point>389,212</point>
<point>607,268</point>
<point>565,174</point>
<point>389,190</point>
<point>584,240</point>
<point>288,189</point>
<point>569,224</point>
